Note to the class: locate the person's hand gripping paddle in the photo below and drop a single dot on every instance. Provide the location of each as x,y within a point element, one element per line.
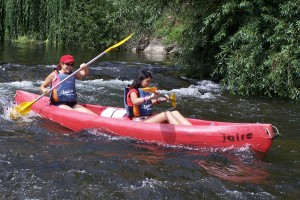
<point>171,98</point>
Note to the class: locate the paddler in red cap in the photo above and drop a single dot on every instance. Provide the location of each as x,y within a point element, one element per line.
<point>64,95</point>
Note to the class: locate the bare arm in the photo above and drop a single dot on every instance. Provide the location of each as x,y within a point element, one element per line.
<point>83,72</point>
<point>158,100</point>
<point>46,83</point>
<point>138,100</point>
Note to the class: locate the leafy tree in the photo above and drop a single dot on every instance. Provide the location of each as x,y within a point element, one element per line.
<point>253,46</point>
<point>262,56</point>
<point>198,48</point>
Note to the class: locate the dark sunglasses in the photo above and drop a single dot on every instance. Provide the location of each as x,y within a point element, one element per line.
<point>70,64</point>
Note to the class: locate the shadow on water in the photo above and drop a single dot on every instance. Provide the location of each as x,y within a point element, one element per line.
<point>233,168</point>
<point>240,166</point>
<point>54,127</point>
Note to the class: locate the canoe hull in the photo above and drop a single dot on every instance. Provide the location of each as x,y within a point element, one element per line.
<point>201,134</point>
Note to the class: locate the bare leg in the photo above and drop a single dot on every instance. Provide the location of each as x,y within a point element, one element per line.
<point>80,108</point>
<point>159,118</point>
<point>162,117</point>
<point>171,118</point>
<point>65,107</point>
<point>180,118</point>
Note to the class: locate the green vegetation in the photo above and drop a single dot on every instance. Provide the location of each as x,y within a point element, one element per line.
<point>23,39</point>
<point>252,47</point>
<point>170,26</point>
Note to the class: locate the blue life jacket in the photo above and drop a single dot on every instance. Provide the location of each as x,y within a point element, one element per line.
<point>144,109</point>
<point>65,92</point>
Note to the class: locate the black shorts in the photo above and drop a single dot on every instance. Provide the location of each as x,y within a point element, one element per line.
<point>70,104</point>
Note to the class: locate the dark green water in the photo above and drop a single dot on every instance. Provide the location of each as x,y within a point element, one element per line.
<point>42,160</point>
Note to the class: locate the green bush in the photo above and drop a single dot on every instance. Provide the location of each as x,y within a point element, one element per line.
<point>252,46</point>
<point>262,56</point>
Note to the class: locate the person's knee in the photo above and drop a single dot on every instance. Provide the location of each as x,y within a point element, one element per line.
<point>165,114</point>
<point>175,112</point>
<point>168,113</point>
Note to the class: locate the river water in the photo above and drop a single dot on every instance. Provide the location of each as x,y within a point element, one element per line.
<point>40,159</point>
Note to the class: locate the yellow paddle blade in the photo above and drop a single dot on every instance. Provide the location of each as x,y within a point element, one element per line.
<point>21,109</point>
<point>150,89</point>
<point>118,44</point>
<point>173,100</point>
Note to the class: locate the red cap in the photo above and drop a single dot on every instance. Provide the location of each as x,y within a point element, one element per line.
<point>66,59</point>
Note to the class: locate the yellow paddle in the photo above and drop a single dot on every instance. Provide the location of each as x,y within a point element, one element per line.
<point>150,89</point>
<point>172,98</point>
<point>25,107</point>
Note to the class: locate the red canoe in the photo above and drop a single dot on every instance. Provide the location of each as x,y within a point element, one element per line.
<point>201,134</point>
